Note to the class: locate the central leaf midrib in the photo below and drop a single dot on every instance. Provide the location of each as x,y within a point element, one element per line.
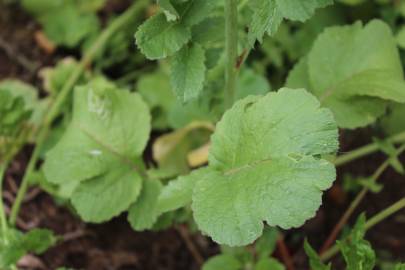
<point>109,148</point>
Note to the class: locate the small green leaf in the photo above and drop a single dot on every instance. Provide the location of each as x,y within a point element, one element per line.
<point>273,174</point>
<point>54,78</point>
<point>352,75</point>
<point>222,262</point>
<point>314,260</point>
<point>268,15</point>
<point>169,10</point>
<point>188,72</point>
<point>393,122</point>
<point>157,38</point>
<point>100,150</point>
<point>266,18</point>
<point>266,244</point>
<point>251,83</point>
<point>357,252</point>
<point>193,12</point>
<point>19,244</point>
<point>156,91</point>
<point>20,112</point>
<point>80,25</point>
<point>178,192</point>
<point>300,10</point>
<point>144,212</point>
<point>269,264</point>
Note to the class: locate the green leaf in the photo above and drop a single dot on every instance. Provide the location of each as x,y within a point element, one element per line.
<point>20,111</point>
<point>273,174</point>
<point>357,252</point>
<point>222,262</point>
<point>269,263</point>
<point>156,91</point>
<point>300,10</point>
<point>178,192</point>
<point>400,266</point>
<point>169,10</point>
<point>268,15</point>
<point>19,244</point>
<point>68,26</point>
<point>314,260</point>
<point>144,212</point>
<point>352,75</point>
<point>193,12</point>
<point>54,78</point>
<point>100,150</point>
<point>188,72</point>
<point>158,38</point>
<point>394,123</point>
<point>251,83</point>
<point>266,18</point>
<point>266,244</point>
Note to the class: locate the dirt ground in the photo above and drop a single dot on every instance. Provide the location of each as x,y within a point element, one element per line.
<point>114,245</point>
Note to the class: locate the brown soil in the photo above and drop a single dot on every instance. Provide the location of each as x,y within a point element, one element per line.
<point>114,245</point>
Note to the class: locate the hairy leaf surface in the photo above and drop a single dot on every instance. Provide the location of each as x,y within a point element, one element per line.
<point>268,15</point>
<point>188,72</point>
<point>100,150</point>
<point>351,74</point>
<point>264,165</point>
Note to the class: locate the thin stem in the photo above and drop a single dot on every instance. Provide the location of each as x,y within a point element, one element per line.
<point>355,203</point>
<point>399,205</point>
<point>285,253</point>
<point>231,50</point>
<point>366,150</point>
<point>57,105</point>
<point>385,213</point>
<point>3,219</point>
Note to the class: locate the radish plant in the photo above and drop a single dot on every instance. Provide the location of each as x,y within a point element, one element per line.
<point>260,158</point>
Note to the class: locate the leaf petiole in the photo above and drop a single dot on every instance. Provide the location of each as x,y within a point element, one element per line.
<point>366,150</point>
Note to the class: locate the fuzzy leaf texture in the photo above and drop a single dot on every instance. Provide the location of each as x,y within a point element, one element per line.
<point>100,151</point>
<point>188,72</point>
<point>352,74</point>
<point>159,37</point>
<point>314,261</point>
<point>18,112</point>
<point>264,165</point>
<point>357,252</point>
<point>268,15</point>
<point>222,262</point>
<point>19,244</point>
<point>53,15</point>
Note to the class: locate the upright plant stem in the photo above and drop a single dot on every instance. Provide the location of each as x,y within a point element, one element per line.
<point>399,205</point>
<point>3,219</point>
<point>366,150</point>
<point>348,213</point>
<point>231,50</point>
<point>57,105</point>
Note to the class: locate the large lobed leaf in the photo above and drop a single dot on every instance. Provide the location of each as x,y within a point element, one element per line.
<point>264,165</point>
<point>352,74</point>
<point>99,153</point>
